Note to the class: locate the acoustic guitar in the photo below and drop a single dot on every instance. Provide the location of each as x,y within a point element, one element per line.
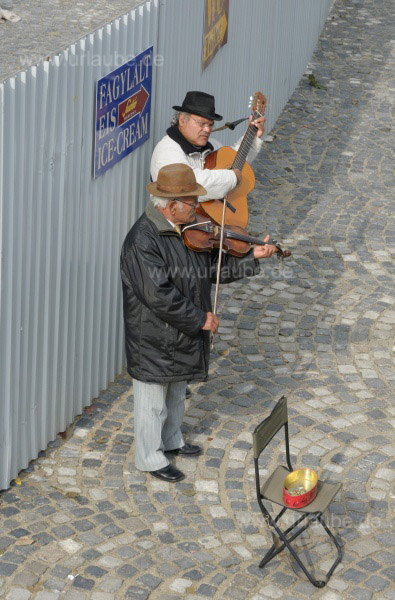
<point>227,158</point>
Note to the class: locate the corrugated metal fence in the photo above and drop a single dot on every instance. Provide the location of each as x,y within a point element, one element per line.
<point>61,330</point>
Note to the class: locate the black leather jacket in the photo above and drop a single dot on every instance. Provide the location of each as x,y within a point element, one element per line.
<point>166,295</point>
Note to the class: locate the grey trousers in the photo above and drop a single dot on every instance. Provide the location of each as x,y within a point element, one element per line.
<point>158,415</point>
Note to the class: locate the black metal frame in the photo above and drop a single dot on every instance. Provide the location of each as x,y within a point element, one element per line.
<point>286,541</point>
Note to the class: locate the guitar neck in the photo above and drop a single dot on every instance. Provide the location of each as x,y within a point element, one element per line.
<point>245,145</point>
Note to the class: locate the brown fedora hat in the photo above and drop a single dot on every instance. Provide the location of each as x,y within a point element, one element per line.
<point>174,181</point>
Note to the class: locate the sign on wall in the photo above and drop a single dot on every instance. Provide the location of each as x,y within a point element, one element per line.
<point>215,31</point>
<point>123,111</point>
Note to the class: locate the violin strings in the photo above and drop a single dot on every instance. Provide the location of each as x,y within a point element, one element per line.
<point>209,227</point>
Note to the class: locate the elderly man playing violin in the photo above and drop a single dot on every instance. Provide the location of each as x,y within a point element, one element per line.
<point>188,141</point>
<point>168,315</point>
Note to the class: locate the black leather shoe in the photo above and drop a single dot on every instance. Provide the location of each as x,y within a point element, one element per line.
<point>168,473</point>
<point>187,450</point>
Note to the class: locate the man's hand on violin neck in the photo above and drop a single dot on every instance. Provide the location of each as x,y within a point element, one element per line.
<point>264,251</point>
<point>212,323</point>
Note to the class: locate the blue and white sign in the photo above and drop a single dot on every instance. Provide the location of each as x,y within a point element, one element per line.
<point>123,110</point>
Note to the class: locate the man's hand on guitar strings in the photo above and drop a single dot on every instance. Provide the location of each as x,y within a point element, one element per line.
<point>237,172</point>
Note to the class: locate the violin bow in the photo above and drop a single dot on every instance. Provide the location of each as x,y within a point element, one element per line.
<point>221,245</point>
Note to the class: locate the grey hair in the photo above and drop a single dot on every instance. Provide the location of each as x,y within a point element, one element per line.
<point>159,202</point>
<point>176,117</point>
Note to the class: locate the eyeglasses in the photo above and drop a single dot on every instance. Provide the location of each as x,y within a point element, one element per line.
<point>203,124</point>
<point>194,203</point>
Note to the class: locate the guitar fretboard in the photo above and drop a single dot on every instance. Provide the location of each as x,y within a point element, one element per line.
<point>245,145</point>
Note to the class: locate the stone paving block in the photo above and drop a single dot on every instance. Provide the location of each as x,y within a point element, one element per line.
<point>110,584</point>
<point>25,578</point>
<point>56,585</point>
<point>74,594</point>
<point>7,568</point>
<point>18,594</point>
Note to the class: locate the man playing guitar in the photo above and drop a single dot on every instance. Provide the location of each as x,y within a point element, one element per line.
<point>187,141</point>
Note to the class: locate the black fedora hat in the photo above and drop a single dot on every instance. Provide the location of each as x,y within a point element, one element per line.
<point>199,103</point>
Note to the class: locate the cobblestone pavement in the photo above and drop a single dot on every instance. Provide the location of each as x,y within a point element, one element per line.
<point>84,524</point>
<point>47,26</point>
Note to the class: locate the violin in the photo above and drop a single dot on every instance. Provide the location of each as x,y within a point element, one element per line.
<point>204,235</point>
<point>227,158</point>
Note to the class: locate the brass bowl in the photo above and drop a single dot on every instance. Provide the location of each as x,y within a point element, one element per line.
<point>300,488</point>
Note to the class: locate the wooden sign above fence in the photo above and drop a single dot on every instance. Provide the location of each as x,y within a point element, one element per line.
<point>215,29</point>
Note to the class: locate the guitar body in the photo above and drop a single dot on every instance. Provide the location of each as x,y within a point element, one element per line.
<point>223,159</point>
<point>227,158</point>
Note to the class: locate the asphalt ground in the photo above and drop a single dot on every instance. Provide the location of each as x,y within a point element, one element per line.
<point>84,524</point>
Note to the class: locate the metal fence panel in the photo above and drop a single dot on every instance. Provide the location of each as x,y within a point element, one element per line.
<point>61,327</point>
